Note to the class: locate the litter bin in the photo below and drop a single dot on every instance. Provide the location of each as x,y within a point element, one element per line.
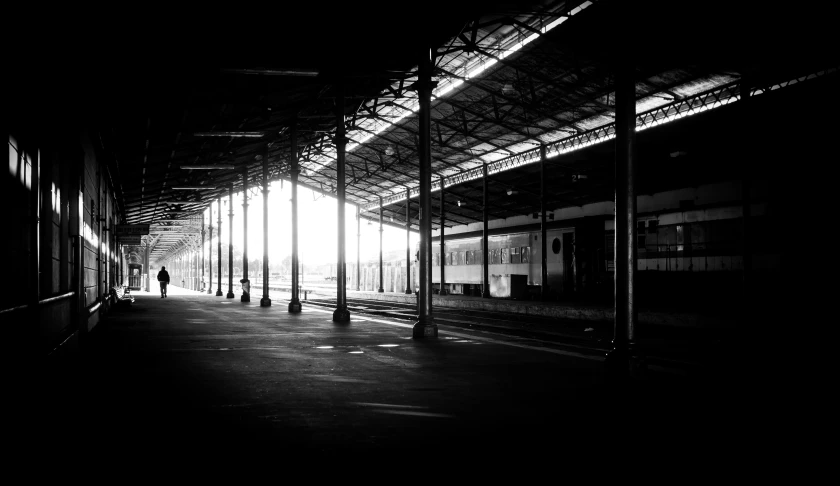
<point>508,286</point>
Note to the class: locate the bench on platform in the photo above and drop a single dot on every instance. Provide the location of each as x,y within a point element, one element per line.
<point>122,293</point>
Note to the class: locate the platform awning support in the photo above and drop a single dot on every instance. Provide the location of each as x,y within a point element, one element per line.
<point>358,251</point>
<point>618,360</point>
<point>381,269</point>
<point>442,243</point>
<point>408,241</point>
<point>341,314</point>
<point>485,257</point>
<point>425,326</point>
<point>210,250</point>
<point>294,303</point>
<point>265,301</point>
<point>219,245</point>
<point>543,245</point>
<point>230,245</point>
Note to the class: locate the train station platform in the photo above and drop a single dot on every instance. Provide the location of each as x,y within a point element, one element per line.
<point>195,372</point>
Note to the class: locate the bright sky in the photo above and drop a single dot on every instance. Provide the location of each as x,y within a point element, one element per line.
<point>317,227</point>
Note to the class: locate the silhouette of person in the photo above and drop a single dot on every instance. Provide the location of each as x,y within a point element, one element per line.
<point>163,278</point>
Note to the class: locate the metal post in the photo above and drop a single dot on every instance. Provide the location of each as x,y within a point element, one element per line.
<point>146,264</point>
<point>425,325</point>
<point>408,241</point>
<point>210,252</point>
<point>219,247</point>
<point>341,313</point>
<point>294,303</point>
<point>230,243</point>
<point>745,199</point>
<point>485,260</point>
<point>543,243</point>
<point>358,254</point>
<point>442,242</point>
<point>265,301</point>
<point>202,253</point>
<point>381,268</point>
<point>246,295</point>
<point>618,359</point>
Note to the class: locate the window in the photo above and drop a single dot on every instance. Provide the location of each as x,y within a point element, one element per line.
<point>505,258</point>
<point>494,256</point>
<point>469,256</point>
<point>514,255</point>
<point>479,257</point>
<point>455,258</point>
<point>555,246</point>
<point>526,254</point>
<point>449,258</point>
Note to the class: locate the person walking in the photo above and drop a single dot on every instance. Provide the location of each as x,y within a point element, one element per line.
<point>163,278</point>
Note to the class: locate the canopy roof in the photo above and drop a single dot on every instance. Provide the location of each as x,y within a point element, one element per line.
<point>511,76</point>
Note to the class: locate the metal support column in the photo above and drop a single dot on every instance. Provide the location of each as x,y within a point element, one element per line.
<point>146,265</point>
<point>543,244</point>
<point>425,325</point>
<point>265,301</point>
<point>618,360</point>
<point>219,246</point>
<point>442,242</point>
<point>246,283</point>
<point>294,303</point>
<point>381,268</point>
<point>358,254</point>
<point>408,241</point>
<point>202,255</point>
<point>230,243</point>
<point>341,313</point>
<point>485,257</point>
<point>210,251</point>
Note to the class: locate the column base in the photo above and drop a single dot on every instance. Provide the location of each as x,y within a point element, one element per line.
<point>218,293</point>
<point>424,329</point>
<point>444,292</point>
<point>381,290</point>
<point>341,315</point>
<point>230,295</point>
<point>265,302</point>
<point>486,295</point>
<point>408,292</point>
<point>294,306</point>
<point>246,297</point>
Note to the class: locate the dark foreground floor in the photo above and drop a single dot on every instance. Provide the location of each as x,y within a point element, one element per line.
<point>197,372</point>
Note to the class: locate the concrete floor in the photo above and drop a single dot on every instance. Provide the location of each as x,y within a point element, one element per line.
<point>213,373</point>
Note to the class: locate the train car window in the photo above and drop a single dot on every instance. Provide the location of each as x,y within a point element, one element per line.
<point>462,258</point>
<point>514,255</point>
<point>526,254</point>
<point>479,257</point>
<point>449,258</point>
<point>469,256</point>
<point>504,257</point>
<point>494,256</point>
<point>652,225</point>
<point>555,246</point>
<point>454,258</point>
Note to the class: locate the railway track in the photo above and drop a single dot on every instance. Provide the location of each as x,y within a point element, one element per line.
<point>691,354</point>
